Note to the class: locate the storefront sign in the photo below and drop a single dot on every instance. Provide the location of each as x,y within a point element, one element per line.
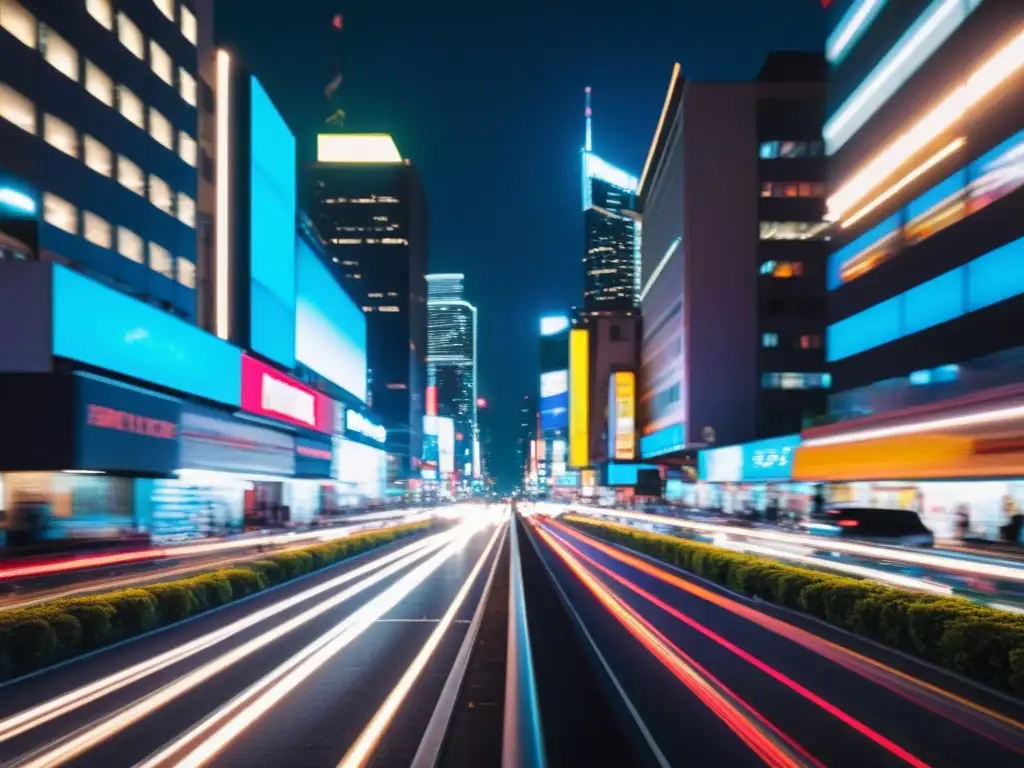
<point>758,462</point>
<point>621,415</point>
<point>358,423</point>
<point>268,392</point>
<point>120,428</point>
<point>218,441</point>
<point>313,457</point>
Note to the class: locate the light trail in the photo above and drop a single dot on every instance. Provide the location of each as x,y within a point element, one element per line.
<point>957,565</point>
<point>86,562</point>
<point>844,717</point>
<point>957,709</point>
<point>363,747</point>
<point>764,739</point>
<point>244,710</point>
<point>62,705</point>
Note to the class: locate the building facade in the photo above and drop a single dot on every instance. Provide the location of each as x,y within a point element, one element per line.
<point>451,364</point>
<point>369,206</point>
<point>101,167</point>
<point>926,270</point>
<point>733,283</point>
<point>611,258</point>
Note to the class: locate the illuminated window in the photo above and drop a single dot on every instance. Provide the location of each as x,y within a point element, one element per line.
<point>130,106</point>
<point>160,129</point>
<point>782,269</point>
<point>793,230</point>
<point>189,27</point>
<point>160,260</point>
<point>130,175</point>
<point>187,86</point>
<point>166,7</point>
<point>771,150</point>
<point>188,150</point>
<point>186,272</point>
<point>186,209</point>
<point>160,194</point>
<point>19,22</point>
<point>792,189</point>
<point>160,63</point>
<point>98,84</point>
<point>790,380</point>
<point>59,213</point>
<point>388,308</point>
<point>59,54</point>
<point>130,36</point>
<point>812,341</point>
<point>97,230</point>
<point>17,109</point>
<point>769,340</point>
<point>59,134</point>
<point>367,309</point>
<point>375,295</point>
<point>98,157</point>
<point>102,11</point>
<point>129,245</point>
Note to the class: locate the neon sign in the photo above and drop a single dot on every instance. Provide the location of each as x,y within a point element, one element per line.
<point>268,392</point>
<point>122,421</point>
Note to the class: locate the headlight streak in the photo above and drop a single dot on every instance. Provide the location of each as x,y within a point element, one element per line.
<point>953,564</point>
<point>363,747</point>
<point>986,722</point>
<point>775,674</point>
<point>245,709</point>
<point>769,743</point>
<point>92,735</point>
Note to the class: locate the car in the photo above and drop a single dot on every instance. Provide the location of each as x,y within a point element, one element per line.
<point>901,527</point>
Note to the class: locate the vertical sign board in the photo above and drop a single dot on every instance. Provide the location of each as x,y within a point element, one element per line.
<point>622,416</point>
<point>579,398</point>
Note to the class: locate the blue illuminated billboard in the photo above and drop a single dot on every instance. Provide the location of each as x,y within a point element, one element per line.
<point>271,231</point>
<point>761,461</point>
<point>554,412</point>
<point>330,330</point>
<point>100,326</point>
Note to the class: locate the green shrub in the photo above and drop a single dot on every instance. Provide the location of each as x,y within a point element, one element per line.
<point>32,638</point>
<point>982,643</point>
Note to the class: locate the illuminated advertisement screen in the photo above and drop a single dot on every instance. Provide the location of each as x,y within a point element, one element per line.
<point>271,231</point>
<point>621,416</point>
<point>445,445</point>
<point>141,341</point>
<point>579,397</point>
<point>554,400</point>
<point>770,459</point>
<point>625,474</point>
<point>721,465</point>
<point>268,392</point>
<point>330,330</point>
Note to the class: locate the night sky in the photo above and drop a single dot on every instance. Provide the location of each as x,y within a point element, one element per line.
<point>487,100</point>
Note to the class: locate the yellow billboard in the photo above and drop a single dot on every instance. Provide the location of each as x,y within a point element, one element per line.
<point>622,415</point>
<point>579,398</point>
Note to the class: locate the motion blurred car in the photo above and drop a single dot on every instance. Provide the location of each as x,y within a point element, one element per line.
<point>899,527</point>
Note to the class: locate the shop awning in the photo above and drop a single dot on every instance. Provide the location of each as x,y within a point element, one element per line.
<point>981,436</point>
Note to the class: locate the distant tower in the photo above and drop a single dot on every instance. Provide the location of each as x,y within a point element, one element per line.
<point>588,145</point>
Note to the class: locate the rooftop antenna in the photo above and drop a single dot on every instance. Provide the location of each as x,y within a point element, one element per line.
<point>588,146</point>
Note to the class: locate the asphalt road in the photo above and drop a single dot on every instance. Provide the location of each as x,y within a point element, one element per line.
<point>711,679</point>
<point>290,677</point>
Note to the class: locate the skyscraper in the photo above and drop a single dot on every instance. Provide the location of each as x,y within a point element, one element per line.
<point>451,363</point>
<point>611,258</point>
<point>368,203</point>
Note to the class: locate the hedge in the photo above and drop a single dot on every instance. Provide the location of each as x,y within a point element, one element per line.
<point>982,643</point>
<point>41,635</point>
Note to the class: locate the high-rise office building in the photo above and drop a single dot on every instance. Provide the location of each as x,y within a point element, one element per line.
<point>611,259</point>
<point>451,364</point>
<point>733,296</point>
<point>525,445</point>
<point>103,164</point>
<point>369,206</point>
<point>926,270</point>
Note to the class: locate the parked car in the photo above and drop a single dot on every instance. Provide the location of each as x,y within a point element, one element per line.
<point>901,527</point>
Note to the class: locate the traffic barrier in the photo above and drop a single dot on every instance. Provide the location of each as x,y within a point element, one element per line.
<point>982,643</point>
<point>44,634</point>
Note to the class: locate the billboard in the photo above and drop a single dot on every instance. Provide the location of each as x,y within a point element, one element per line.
<point>217,441</point>
<point>622,416</point>
<point>579,398</point>
<point>100,326</point>
<point>445,445</point>
<point>271,230</point>
<point>553,324</point>
<point>313,458</point>
<point>554,400</point>
<point>122,428</point>
<point>768,460</point>
<point>268,392</point>
<point>330,330</point>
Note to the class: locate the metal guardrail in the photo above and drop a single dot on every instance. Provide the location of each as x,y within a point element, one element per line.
<point>522,739</point>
